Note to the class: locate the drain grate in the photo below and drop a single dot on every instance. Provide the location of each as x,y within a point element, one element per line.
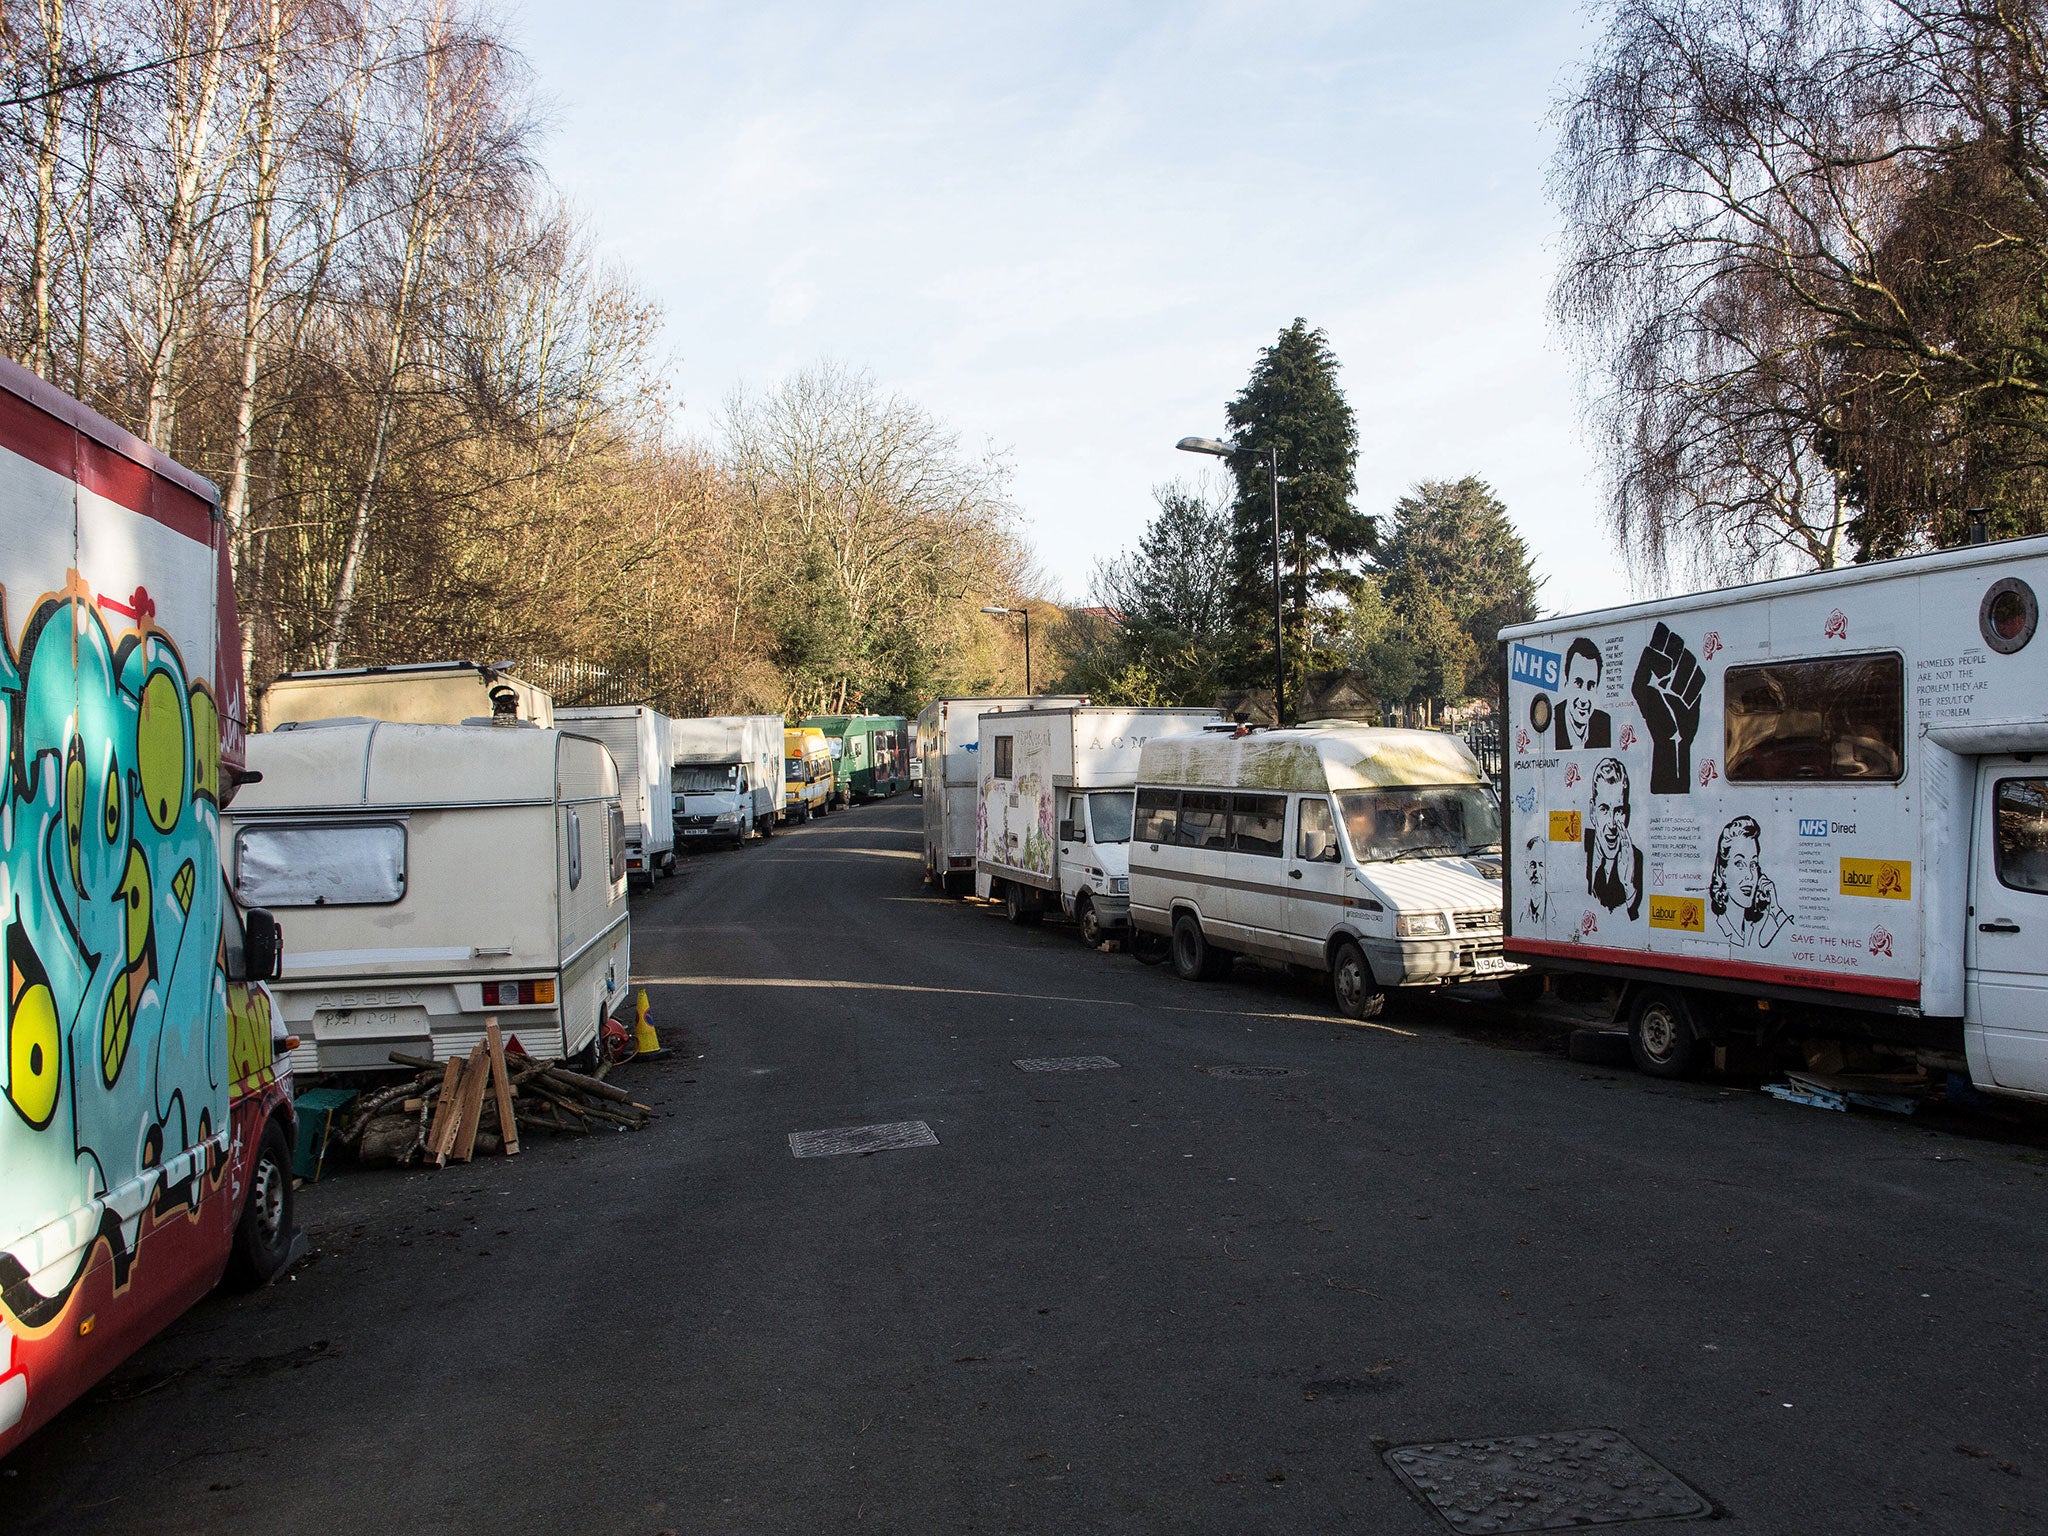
<point>1564,1481</point>
<point>862,1138</point>
<point>1253,1071</point>
<point>1063,1063</point>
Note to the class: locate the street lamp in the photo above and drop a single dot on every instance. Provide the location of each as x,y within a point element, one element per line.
<point>1223,450</point>
<point>1006,613</point>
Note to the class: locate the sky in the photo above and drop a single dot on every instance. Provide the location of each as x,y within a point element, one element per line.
<point>1066,230</point>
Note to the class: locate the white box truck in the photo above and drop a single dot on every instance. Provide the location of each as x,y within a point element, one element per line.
<point>432,877</point>
<point>948,731</point>
<point>729,782</point>
<point>1811,806</point>
<point>639,741</point>
<point>1053,808</point>
<point>424,693</point>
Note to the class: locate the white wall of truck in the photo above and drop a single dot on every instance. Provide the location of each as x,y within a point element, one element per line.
<point>947,733</point>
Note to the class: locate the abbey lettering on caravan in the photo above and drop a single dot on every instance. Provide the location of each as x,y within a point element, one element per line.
<point>145,1138</point>
<point>1810,806</point>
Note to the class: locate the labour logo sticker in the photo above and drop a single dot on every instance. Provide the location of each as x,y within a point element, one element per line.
<point>1889,878</point>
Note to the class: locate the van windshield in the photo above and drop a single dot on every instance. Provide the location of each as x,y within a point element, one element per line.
<point>1420,821</point>
<point>1109,815</point>
<point>708,778</point>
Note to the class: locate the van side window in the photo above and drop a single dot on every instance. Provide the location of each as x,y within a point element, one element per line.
<point>575,849</point>
<point>1315,834</point>
<point>1158,815</point>
<point>2021,858</point>
<point>1258,824</point>
<point>1006,755</point>
<point>1835,717</point>
<point>1204,821</point>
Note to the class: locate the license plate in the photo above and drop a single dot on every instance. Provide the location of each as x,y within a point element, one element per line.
<point>1493,965</point>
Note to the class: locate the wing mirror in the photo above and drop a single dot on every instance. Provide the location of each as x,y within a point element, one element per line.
<point>262,946</point>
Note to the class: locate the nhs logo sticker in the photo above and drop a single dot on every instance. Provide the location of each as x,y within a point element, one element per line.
<point>1526,664</point>
<point>1813,826</point>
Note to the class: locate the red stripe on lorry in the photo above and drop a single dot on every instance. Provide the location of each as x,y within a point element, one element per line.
<point>1904,991</point>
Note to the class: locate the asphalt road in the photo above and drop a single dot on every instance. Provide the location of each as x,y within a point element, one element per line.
<point>1141,1299</point>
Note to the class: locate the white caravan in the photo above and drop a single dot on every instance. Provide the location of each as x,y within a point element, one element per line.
<point>1053,817</point>
<point>1807,806</point>
<point>432,877</point>
<point>639,741</point>
<point>947,733</point>
<point>428,693</point>
<point>728,778</point>
<point>1371,854</point>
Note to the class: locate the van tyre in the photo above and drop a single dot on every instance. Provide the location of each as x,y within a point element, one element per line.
<point>1352,984</point>
<point>1093,934</point>
<point>1521,989</point>
<point>1194,957</point>
<point>1019,906</point>
<point>263,1236</point>
<point>1661,1038</point>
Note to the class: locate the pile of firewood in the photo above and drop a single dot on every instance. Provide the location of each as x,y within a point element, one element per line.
<point>451,1110</point>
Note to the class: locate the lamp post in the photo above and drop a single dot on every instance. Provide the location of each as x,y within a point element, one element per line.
<point>1006,613</point>
<point>1222,450</point>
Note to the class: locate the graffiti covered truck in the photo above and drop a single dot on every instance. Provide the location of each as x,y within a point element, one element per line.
<point>1817,805</point>
<point>145,1141</point>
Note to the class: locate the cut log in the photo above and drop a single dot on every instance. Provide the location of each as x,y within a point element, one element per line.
<point>589,1085</point>
<point>389,1139</point>
<point>476,1077</point>
<point>508,1123</point>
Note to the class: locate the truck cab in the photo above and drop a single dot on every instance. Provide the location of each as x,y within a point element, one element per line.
<point>714,803</point>
<point>1095,860</point>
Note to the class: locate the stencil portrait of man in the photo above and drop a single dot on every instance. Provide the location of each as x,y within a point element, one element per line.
<point>1614,864</point>
<point>1580,726</point>
<point>1535,904</point>
<point>1743,898</point>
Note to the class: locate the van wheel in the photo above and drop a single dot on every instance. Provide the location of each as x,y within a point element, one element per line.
<point>1522,988</point>
<point>1018,907</point>
<point>1194,957</point>
<point>1090,921</point>
<point>1661,1038</point>
<point>766,828</point>
<point>263,1237</point>
<point>1357,993</point>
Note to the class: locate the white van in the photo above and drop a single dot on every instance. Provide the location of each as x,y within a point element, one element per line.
<point>728,778</point>
<point>1371,854</point>
<point>639,741</point>
<point>433,876</point>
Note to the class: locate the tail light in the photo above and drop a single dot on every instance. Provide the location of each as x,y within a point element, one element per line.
<point>510,994</point>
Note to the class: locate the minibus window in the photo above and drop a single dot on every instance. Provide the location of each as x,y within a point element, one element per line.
<point>1109,814</point>
<point>1158,814</point>
<point>1420,821</point>
<point>1204,821</point>
<point>1258,824</point>
<point>1315,840</point>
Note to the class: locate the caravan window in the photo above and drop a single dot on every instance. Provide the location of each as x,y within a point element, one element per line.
<point>1204,821</point>
<point>1835,717</point>
<point>615,837</point>
<point>1006,756</point>
<point>1258,823</point>
<point>1158,814</point>
<point>575,850</point>
<point>341,864</point>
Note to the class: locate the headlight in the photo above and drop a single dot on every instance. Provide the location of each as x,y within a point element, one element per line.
<point>1120,885</point>
<point>728,815</point>
<point>1421,925</point>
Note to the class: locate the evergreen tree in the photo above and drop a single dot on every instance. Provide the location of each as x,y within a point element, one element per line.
<point>1292,402</point>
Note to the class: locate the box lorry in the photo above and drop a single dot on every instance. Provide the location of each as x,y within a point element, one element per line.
<point>147,1130</point>
<point>434,877</point>
<point>1370,854</point>
<point>728,778</point>
<point>639,740</point>
<point>869,754</point>
<point>426,693</point>
<point>948,735</point>
<point>1809,806</point>
<point>1054,798</point>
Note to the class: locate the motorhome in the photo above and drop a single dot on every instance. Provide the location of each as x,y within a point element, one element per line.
<point>1814,806</point>
<point>948,731</point>
<point>728,778</point>
<point>806,774</point>
<point>868,754</point>
<point>425,693</point>
<point>638,738</point>
<point>433,877</point>
<point>147,1133</point>
<point>1053,809</point>
<point>1371,854</point>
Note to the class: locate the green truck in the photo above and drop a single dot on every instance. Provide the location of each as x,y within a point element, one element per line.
<point>870,754</point>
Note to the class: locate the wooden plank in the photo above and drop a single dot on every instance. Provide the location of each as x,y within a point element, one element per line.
<point>508,1127</point>
<point>476,1077</point>
<point>441,1133</point>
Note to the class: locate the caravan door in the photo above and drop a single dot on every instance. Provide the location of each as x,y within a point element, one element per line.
<point>2007,943</point>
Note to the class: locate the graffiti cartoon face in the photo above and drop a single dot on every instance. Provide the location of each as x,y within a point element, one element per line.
<point>1743,870</point>
<point>1610,815</point>
<point>1581,685</point>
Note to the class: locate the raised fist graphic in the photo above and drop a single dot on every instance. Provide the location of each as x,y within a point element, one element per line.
<point>1667,689</point>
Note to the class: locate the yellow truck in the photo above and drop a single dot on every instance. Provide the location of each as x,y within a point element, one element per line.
<point>807,774</point>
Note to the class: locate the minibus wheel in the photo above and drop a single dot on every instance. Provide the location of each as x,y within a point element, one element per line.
<point>1357,993</point>
<point>1661,1037</point>
<point>1194,957</point>
<point>263,1236</point>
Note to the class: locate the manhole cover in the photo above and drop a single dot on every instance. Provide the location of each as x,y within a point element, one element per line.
<point>862,1138</point>
<point>1063,1063</point>
<point>1253,1071</point>
<point>1544,1482</point>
